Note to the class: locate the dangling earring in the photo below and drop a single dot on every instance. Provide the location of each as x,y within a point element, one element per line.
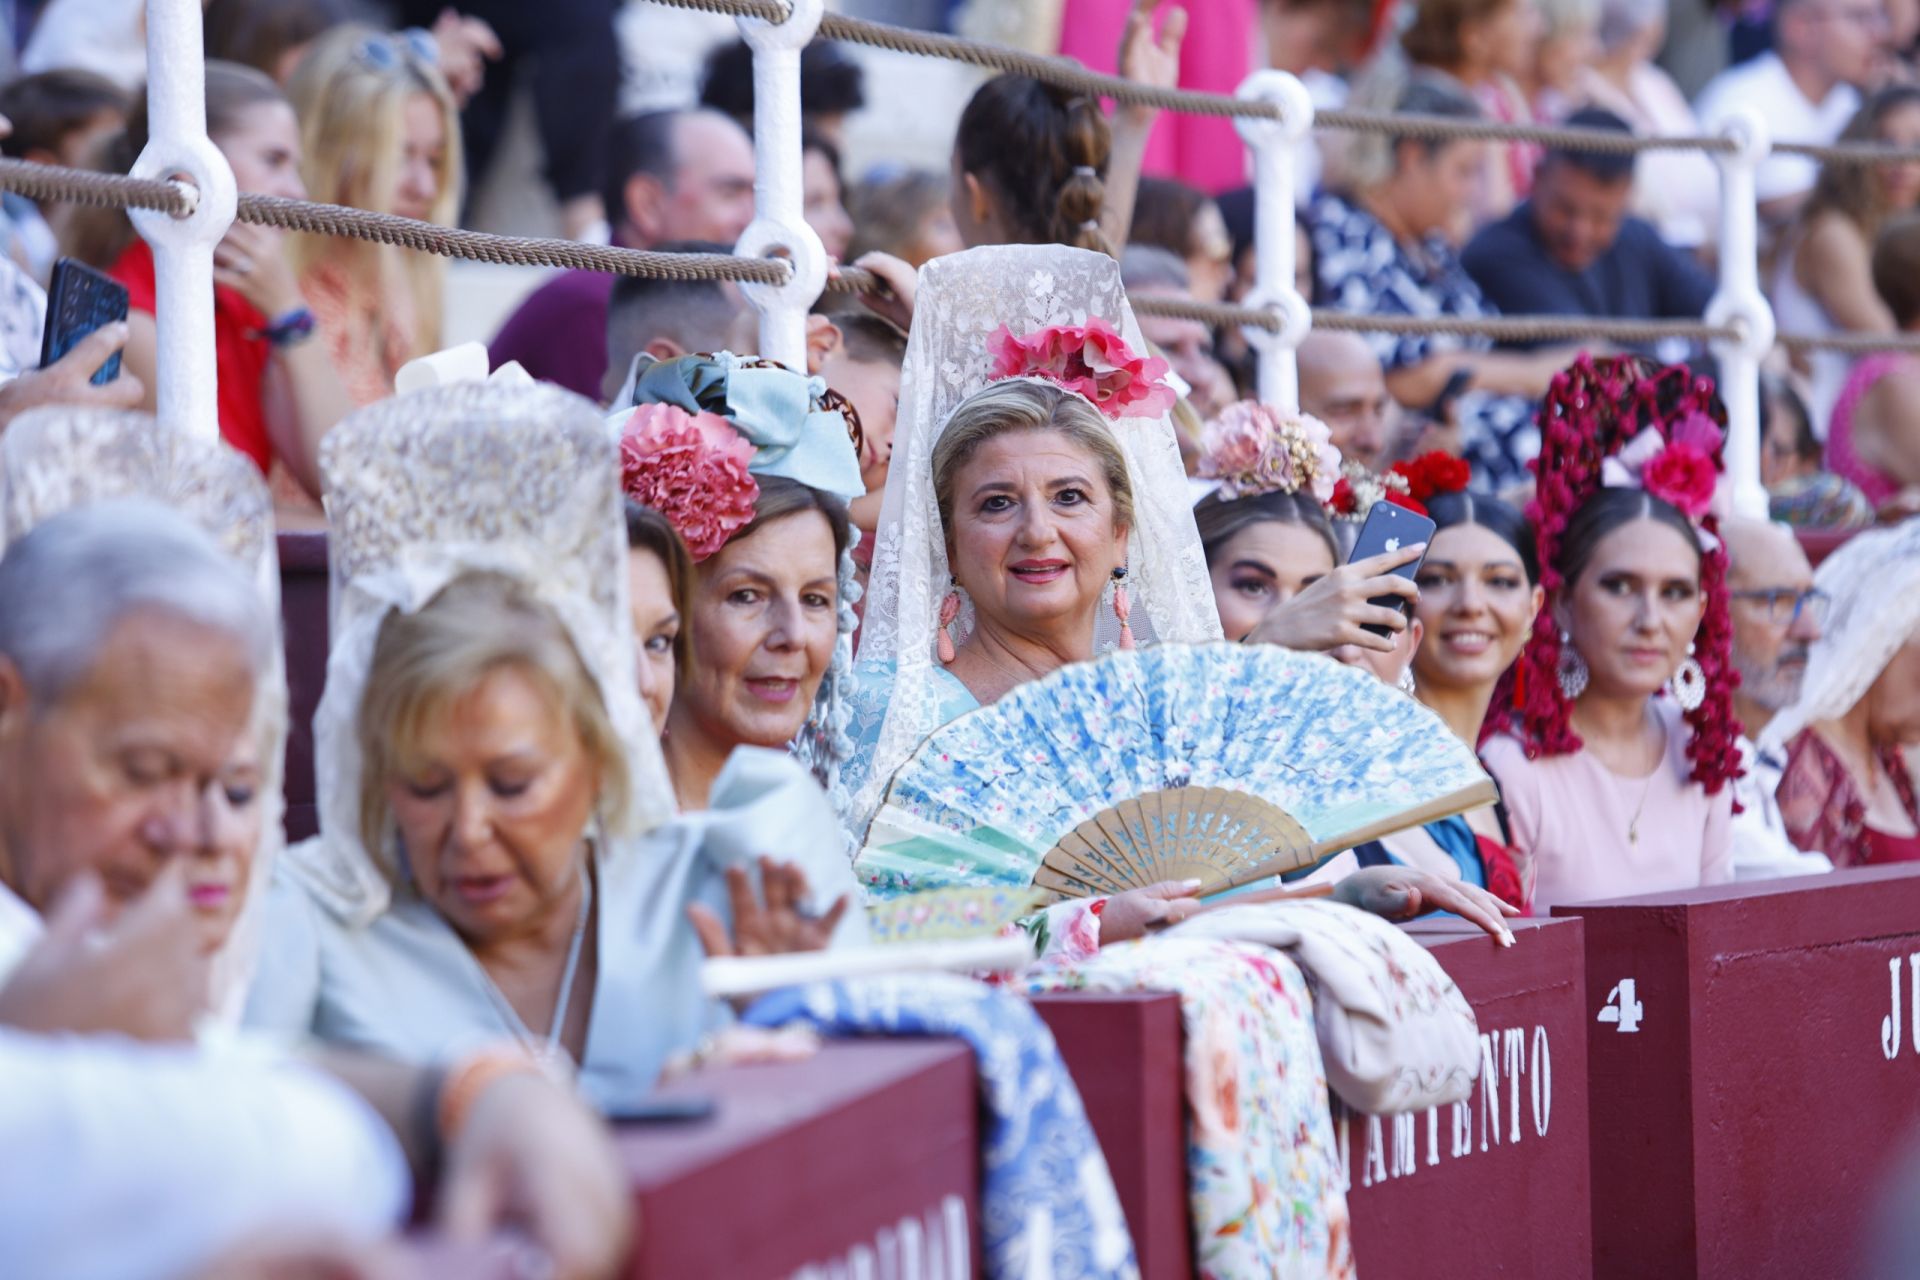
<point>1688,686</point>
<point>949,610</point>
<point>1122,608</point>
<point>1573,673</point>
<point>1405,683</point>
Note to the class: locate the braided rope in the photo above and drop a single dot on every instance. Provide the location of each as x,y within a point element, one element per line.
<point>100,190</point>
<point>1451,129</point>
<point>447,242</point>
<point>80,186</point>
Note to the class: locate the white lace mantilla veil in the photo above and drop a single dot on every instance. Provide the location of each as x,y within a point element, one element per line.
<point>56,459</point>
<point>1874,582</point>
<point>961,300</point>
<point>423,488</point>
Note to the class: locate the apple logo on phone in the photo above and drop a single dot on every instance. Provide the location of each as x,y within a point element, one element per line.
<point>1393,545</point>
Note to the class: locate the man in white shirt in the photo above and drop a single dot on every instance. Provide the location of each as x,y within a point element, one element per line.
<point>1776,615</point>
<point>1806,89</point>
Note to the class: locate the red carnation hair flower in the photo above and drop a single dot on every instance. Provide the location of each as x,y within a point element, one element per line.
<point>692,469</point>
<point>1593,410</point>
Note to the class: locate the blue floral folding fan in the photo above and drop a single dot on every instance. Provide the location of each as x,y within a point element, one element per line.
<point>1222,763</point>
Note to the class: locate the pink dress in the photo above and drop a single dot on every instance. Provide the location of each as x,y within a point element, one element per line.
<point>1573,816</point>
<point>1220,50</point>
<point>1842,459</point>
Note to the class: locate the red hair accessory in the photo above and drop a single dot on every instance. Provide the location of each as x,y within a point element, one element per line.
<point>1430,475</point>
<point>1091,360</point>
<point>692,469</point>
<point>1358,491</point>
<point>1626,422</point>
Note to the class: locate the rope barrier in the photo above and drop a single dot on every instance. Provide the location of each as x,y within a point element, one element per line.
<point>1070,75</point>
<point>80,186</point>
<point>448,242</point>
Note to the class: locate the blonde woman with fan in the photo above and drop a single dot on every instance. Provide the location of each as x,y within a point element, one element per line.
<point>1035,515</point>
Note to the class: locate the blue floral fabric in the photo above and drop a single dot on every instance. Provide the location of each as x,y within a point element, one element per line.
<point>1045,1185</point>
<point>1358,266</point>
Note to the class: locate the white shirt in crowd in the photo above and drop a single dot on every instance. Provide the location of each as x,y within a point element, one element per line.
<point>1761,849</point>
<point>20,928</point>
<point>1763,87</point>
<point>125,1161</point>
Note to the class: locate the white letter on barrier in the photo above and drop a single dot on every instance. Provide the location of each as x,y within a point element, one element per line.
<point>1542,1081</point>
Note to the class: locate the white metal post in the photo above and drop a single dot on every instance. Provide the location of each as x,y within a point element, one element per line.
<point>779,222</point>
<point>178,147</point>
<point>1273,143</point>
<point>1740,303</point>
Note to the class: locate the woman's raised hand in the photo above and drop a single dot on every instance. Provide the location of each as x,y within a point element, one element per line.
<point>1132,914</point>
<point>1335,610</point>
<point>1401,893</point>
<point>252,261</point>
<point>770,923</point>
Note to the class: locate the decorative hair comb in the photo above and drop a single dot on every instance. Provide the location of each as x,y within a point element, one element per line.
<point>1091,360</point>
<point>1410,484</point>
<point>693,469</point>
<point>1252,448</point>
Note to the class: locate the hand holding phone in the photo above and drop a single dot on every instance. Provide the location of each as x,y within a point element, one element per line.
<point>1389,529</point>
<point>79,301</point>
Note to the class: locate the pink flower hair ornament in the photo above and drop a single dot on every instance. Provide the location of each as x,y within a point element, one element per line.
<point>692,469</point>
<point>1091,360</point>
<point>1252,448</point>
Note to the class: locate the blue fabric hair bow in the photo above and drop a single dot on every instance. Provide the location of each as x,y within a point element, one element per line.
<point>775,408</point>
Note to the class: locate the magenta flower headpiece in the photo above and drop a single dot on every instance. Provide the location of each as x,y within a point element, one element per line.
<point>1677,467</point>
<point>1091,360</point>
<point>692,469</point>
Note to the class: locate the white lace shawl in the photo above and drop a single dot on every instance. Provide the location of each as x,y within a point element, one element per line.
<point>57,459</point>
<point>1874,580</point>
<point>961,300</point>
<point>423,488</point>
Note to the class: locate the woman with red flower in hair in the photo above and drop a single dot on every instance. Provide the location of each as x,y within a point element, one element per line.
<point>1479,595</point>
<point>1616,777</point>
<point>753,465</point>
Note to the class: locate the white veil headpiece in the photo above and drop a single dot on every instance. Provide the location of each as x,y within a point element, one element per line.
<point>424,488</point>
<point>1874,583</point>
<point>57,459</point>
<point>960,302</point>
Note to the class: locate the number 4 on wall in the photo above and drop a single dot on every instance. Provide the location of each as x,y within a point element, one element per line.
<point>1621,1007</point>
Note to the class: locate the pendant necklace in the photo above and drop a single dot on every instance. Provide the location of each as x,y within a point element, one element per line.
<point>551,1052</point>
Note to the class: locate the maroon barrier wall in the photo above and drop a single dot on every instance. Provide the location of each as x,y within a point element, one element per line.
<point>1123,1051</point>
<point>1495,1186</point>
<point>303,613</point>
<point>1754,1056</point>
<point>862,1160</point>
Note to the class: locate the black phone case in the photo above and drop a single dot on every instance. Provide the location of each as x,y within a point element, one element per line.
<point>80,301</point>
<point>1389,527</point>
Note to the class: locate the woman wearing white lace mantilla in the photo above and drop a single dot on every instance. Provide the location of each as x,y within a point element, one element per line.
<point>498,858</point>
<point>1036,513</point>
<point>58,459</point>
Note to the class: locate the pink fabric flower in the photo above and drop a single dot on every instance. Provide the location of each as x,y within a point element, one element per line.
<point>1251,449</point>
<point>1091,360</point>
<point>1683,475</point>
<point>1699,431</point>
<point>692,469</point>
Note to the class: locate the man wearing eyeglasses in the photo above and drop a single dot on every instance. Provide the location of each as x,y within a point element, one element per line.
<point>1777,614</point>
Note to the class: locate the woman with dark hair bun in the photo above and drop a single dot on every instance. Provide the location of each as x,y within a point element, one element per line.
<point>1616,779</point>
<point>1479,595</point>
<point>1037,164</point>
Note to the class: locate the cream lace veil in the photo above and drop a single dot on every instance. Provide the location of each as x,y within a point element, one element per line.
<point>425,487</point>
<point>57,459</point>
<point>961,300</point>
<point>1874,580</point>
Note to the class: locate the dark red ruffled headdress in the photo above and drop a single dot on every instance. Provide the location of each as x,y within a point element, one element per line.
<point>1627,421</point>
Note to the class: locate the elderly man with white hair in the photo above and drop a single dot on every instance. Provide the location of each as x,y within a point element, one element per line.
<point>132,649</point>
<point>1776,614</point>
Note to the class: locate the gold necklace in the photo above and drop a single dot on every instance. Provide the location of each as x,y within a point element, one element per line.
<point>1633,827</point>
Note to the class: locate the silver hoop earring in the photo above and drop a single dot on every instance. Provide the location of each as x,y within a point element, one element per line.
<point>1688,686</point>
<point>1573,674</point>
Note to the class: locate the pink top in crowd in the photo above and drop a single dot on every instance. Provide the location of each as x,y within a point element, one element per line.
<point>1842,459</point>
<point>1574,814</point>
